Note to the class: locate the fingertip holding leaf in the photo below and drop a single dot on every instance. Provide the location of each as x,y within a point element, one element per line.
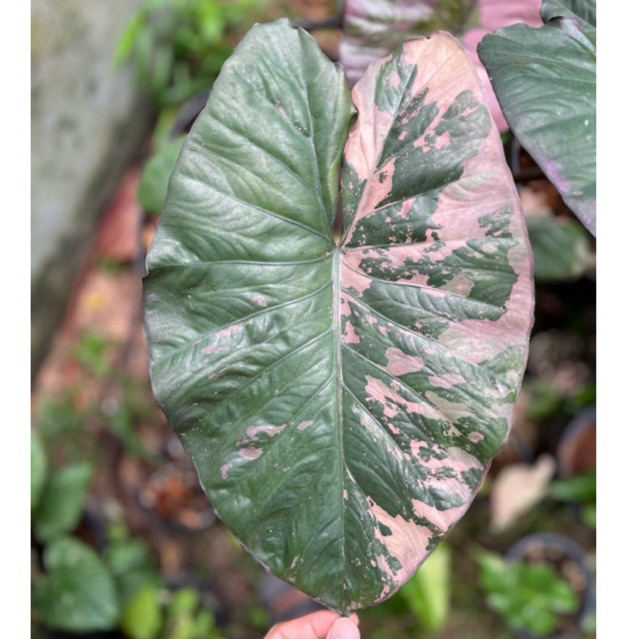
<point>342,403</point>
<point>343,628</point>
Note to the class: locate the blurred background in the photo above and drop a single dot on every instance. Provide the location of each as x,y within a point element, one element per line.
<point>123,541</point>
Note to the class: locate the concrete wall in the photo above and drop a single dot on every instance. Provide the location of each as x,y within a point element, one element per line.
<point>88,122</point>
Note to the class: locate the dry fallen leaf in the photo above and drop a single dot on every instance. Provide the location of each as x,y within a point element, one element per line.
<point>517,489</point>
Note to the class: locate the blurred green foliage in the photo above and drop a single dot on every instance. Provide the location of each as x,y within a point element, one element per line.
<point>59,509</point>
<point>39,467</point>
<point>130,562</point>
<point>547,401</point>
<point>561,247</point>
<point>142,617</point>
<point>155,177</point>
<point>91,351</point>
<point>77,589</point>
<point>151,614</point>
<point>77,592</point>
<point>186,620</point>
<point>179,46</point>
<point>60,419</point>
<point>580,489</point>
<point>428,591</point>
<point>529,596</point>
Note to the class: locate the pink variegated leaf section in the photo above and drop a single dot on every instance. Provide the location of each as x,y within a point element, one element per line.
<point>436,294</point>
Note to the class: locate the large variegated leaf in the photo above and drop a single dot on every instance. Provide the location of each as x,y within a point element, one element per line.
<point>342,403</point>
<point>545,80</point>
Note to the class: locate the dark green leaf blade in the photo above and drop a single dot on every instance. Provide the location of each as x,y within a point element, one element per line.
<point>239,300</point>
<point>545,80</point>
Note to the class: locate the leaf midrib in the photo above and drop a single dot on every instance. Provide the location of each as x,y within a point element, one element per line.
<point>339,378</point>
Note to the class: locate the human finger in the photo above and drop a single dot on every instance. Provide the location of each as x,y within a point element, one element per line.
<point>316,625</point>
<point>344,628</point>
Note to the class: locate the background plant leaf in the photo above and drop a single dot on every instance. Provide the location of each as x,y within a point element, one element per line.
<point>129,561</point>
<point>582,9</point>
<point>342,404</point>
<point>155,178</point>
<point>61,502</point>
<point>529,596</point>
<point>561,247</point>
<point>580,488</point>
<point>428,591</point>
<point>545,80</point>
<point>142,618</point>
<point>39,467</point>
<point>77,593</point>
